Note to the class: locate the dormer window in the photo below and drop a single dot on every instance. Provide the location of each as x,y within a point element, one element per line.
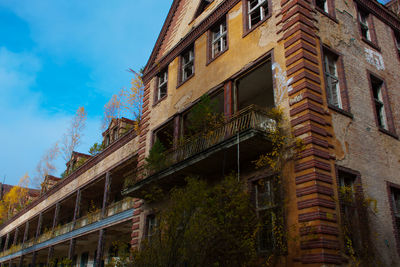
<point>107,141</point>
<point>162,85</point>
<point>115,134</point>
<point>202,6</point>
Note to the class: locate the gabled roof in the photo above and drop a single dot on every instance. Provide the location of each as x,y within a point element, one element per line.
<point>114,120</point>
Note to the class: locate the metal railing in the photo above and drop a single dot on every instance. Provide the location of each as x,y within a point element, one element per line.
<point>115,208</point>
<point>252,117</point>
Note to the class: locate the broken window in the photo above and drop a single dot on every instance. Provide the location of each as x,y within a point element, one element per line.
<point>165,135</point>
<point>265,205</point>
<point>162,85</point>
<point>377,85</point>
<point>187,61</point>
<point>395,195</point>
<point>257,11</point>
<point>255,88</point>
<point>151,226</point>
<point>364,25</point>
<point>322,5</point>
<point>332,79</point>
<point>219,39</point>
<point>397,40</point>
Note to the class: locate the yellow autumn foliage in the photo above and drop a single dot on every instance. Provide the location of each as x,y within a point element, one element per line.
<point>14,200</point>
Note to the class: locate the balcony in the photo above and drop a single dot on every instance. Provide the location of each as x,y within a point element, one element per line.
<point>82,225</point>
<point>238,142</point>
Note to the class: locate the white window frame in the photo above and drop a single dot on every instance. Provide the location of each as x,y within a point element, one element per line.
<point>151,226</point>
<point>363,19</point>
<point>260,6</point>
<point>378,100</point>
<point>162,83</point>
<point>188,64</point>
<point>219,37</point>
<point>332,80</point>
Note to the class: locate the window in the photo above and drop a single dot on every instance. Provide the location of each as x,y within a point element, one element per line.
<point>364,25</point>
<point>151,226</point>
<point>257,10</point>
<point>187,64</point>
<point>202,6</point>
<point>322,5</point>
<point>332,79</point>
<point>165,135</point>
<point>115,134</point>
<point>397,42</point>
<point>265,204</point>
<point>162,85</point>
<point>218,39</point>
<point>350,200</point>
<point>379,105</point>
<point>395,198</point>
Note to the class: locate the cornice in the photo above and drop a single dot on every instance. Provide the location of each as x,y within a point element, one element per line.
<point>85,167</point>
<point>153,67</point>
<point>380,12</point>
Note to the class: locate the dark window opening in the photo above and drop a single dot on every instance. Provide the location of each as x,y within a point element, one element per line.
<point>322,4</point>
<point>377,85</point>
<point>397,40</point>
<point>202,6</point>
<point>364,24</point>
<point>84,259</point>
<point>255,88</point>
<point>165,135</point>
<point>151,226</point>
<point>217,107</point>
<point>395,194</point>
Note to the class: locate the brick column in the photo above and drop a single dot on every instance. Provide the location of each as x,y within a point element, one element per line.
<point>314,168</point>
<point>100,248</point>
<point>106,195</point>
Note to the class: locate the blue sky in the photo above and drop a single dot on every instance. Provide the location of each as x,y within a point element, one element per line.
<point>57,55</point>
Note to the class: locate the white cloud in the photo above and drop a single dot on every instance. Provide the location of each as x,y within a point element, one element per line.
<point>26,131</point>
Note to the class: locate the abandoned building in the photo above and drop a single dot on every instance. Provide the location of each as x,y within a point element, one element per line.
<point>332,67</point>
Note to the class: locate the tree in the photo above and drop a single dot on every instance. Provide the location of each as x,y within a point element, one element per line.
<point>203,225</point>
<point>46,165</point>
<point>73,135</point>
<point>14,200</point>
<point>113,109</point>
<point>127,102</point>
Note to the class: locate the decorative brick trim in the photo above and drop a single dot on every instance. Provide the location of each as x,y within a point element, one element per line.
<point>316,202</point>
<point>319,229</point>
<point>320,243</point>
<point>317,215</point>
<point>314,176</point>
<point>314,189</point>
<point>321,258</point>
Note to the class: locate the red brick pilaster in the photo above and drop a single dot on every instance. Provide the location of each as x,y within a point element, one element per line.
<point>314,167</point>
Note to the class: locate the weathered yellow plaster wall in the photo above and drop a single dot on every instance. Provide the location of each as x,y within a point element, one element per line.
<point>118,156</point>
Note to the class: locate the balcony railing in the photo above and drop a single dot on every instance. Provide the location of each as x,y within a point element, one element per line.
<point>252,117</point>
<point>90,218</point>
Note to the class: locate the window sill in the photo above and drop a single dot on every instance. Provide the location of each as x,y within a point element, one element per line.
<point>341,111</point>
<point>210,60</point>
<point>182,82</point>
<point>388,133</point>
<point>159,100</point>
<point>247,30</point>
<point>370,43</point>
<point>332,17</point>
